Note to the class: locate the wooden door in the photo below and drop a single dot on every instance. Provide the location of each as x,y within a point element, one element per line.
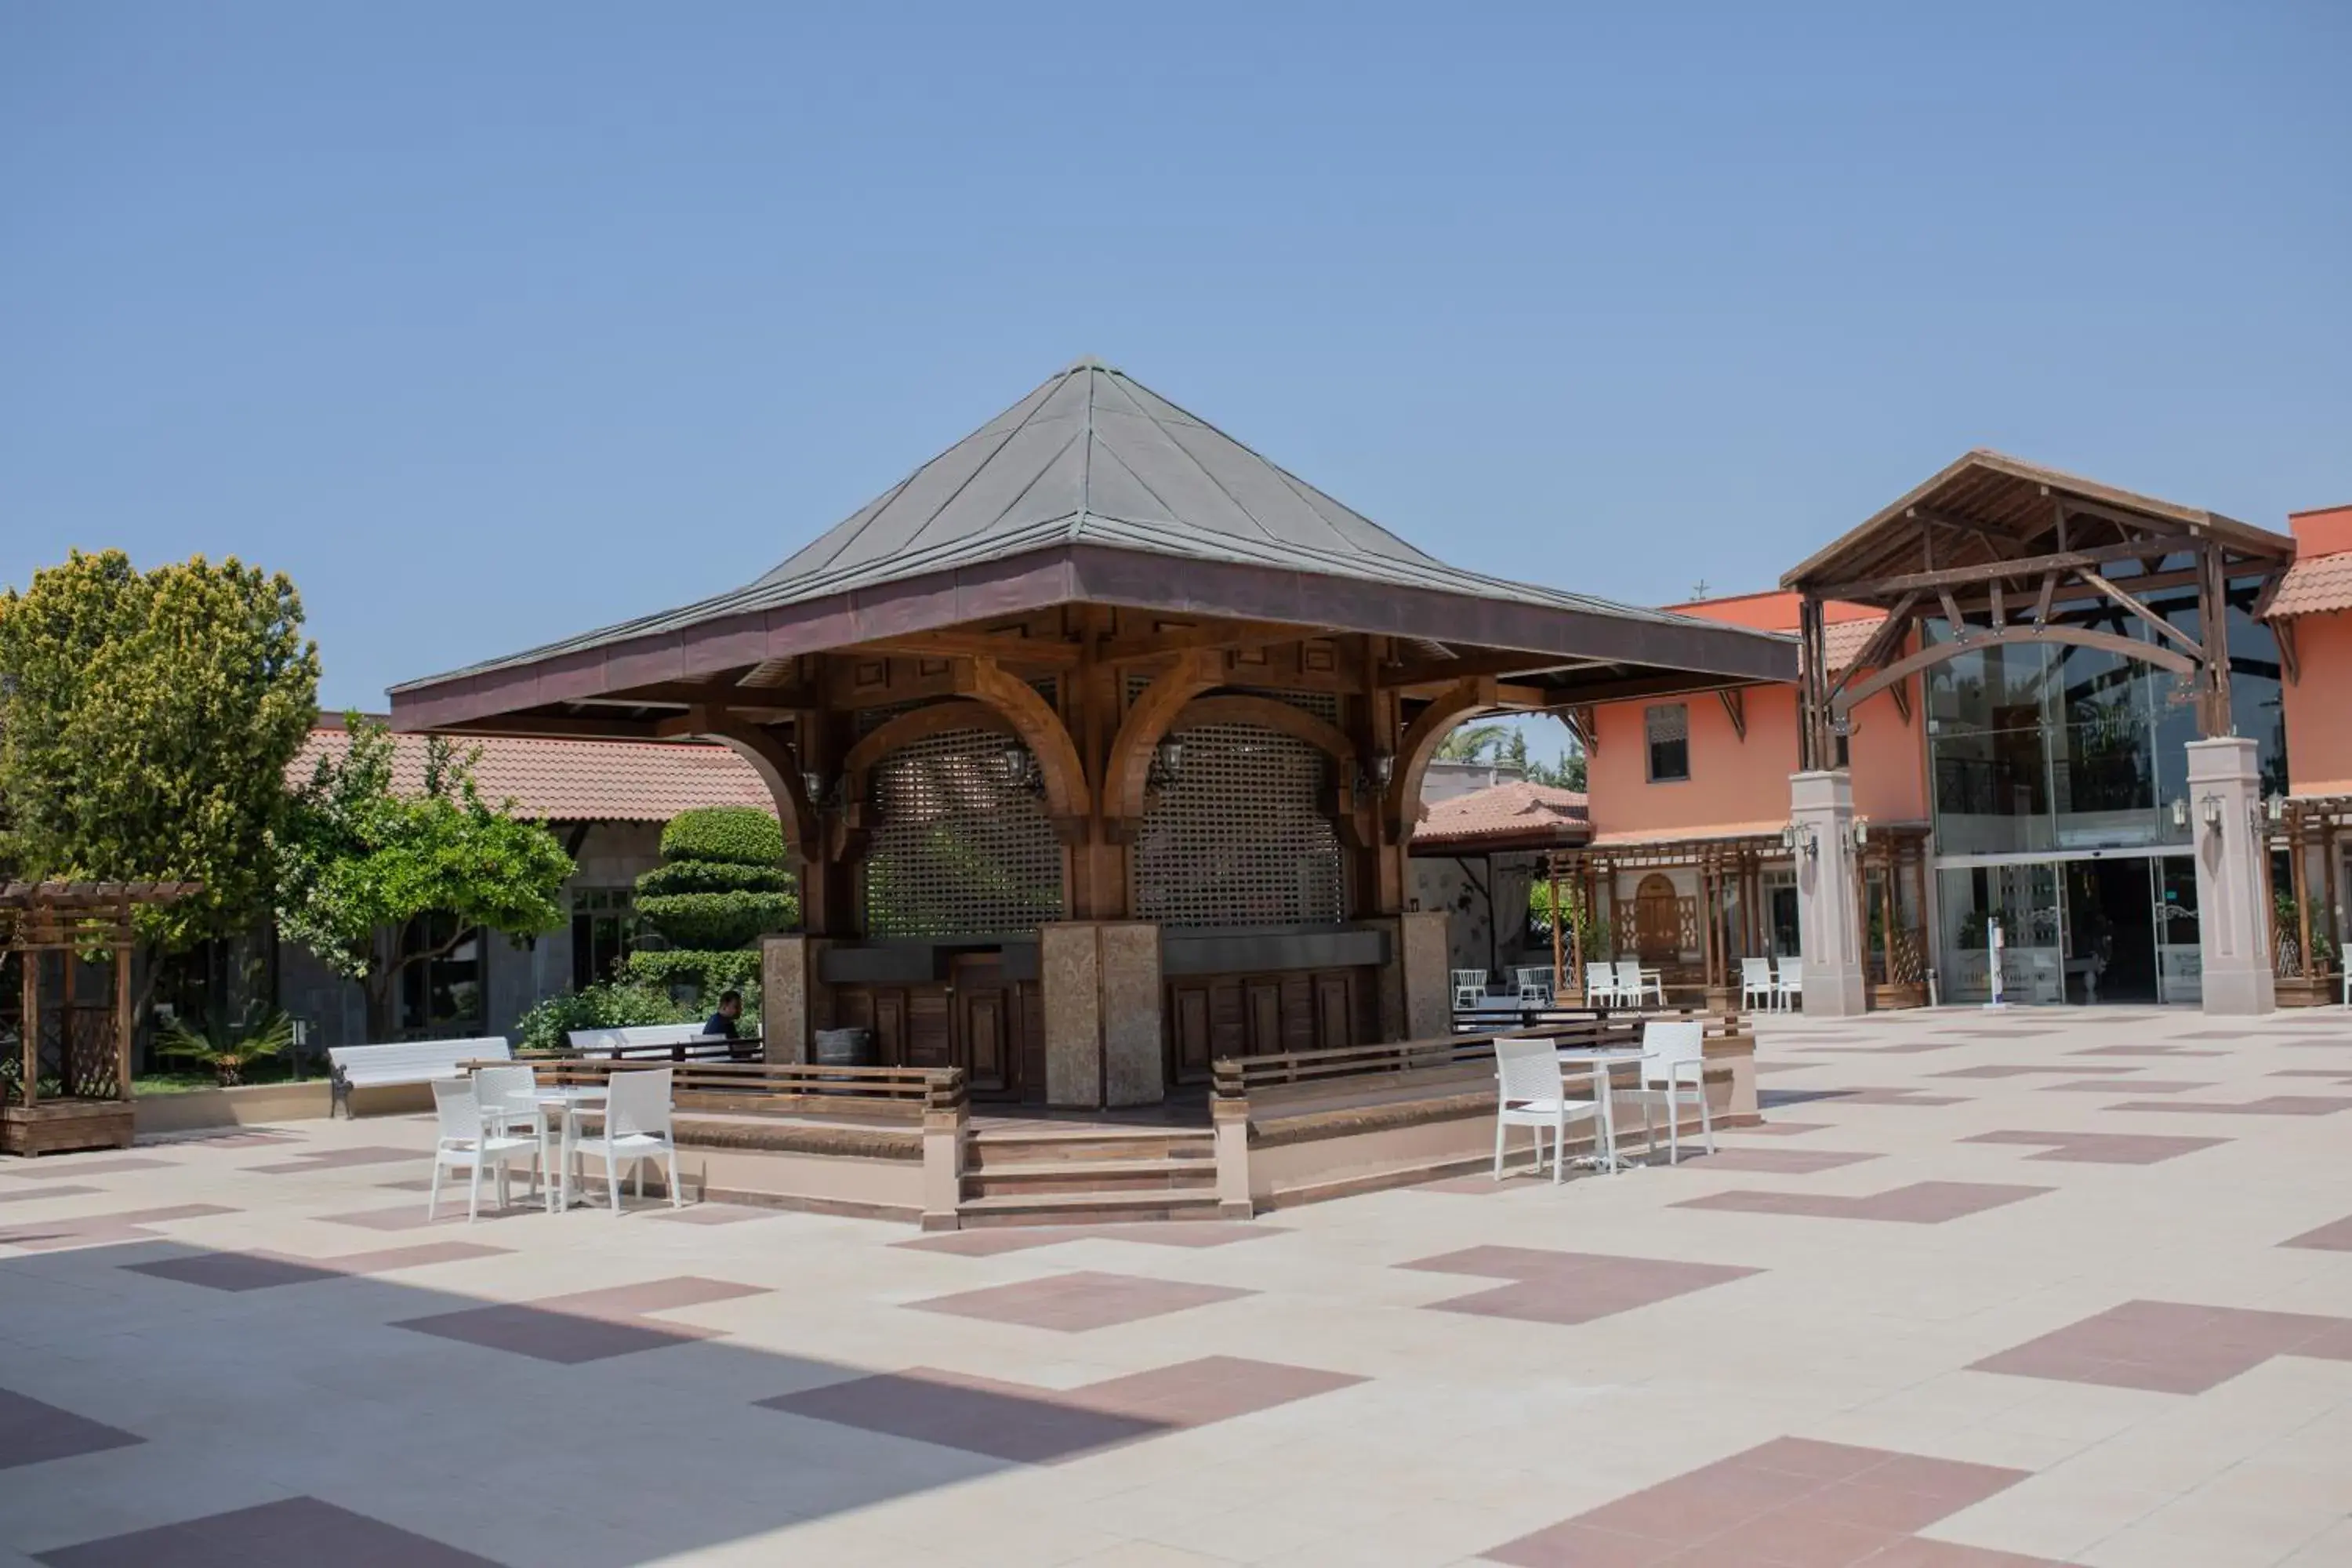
<point>1188,1044</point>
<point>1262,1001</point>
<point>1334,1021</point>
<point>983,1023</point>
<point>1657,920</point>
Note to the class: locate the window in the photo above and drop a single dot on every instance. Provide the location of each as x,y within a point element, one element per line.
<point>603,927</point>
<point>1669,731</point>
<point>441,995</point>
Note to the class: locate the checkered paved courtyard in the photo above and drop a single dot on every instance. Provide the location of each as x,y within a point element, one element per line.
<point>1988,1290</point>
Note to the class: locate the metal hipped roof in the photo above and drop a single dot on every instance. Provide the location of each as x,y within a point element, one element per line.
<point>1093,458</point>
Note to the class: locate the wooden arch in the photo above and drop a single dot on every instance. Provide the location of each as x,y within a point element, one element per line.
<point>778,768</point>
<point>1034,720</point>
<point>905,730</point>
<point>1152,715</point>
<point>2080,636</point>
<point>1402,805</point>
<point>1267,713</point>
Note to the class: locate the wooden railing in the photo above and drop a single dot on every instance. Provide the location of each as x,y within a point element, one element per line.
<point>1237,1077</point>
<point>702,1048</point>
<point>782,1088</point>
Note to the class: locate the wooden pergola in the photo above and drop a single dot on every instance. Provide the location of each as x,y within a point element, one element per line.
<point>2001,549</point>
<point>68,1080</point>
<point>2305,822</point>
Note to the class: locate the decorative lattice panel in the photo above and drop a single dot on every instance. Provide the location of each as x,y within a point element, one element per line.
<point>963,848</point>
<point>1239,836</point>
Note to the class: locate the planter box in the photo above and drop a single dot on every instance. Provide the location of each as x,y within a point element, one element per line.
<point>194,1108</point>
<point>61,1126</point>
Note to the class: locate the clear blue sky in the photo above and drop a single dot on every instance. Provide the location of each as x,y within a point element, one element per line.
<point>490,323</point>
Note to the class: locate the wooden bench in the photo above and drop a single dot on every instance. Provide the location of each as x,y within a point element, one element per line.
<point>407,1062</point>
<point>662,1042</point>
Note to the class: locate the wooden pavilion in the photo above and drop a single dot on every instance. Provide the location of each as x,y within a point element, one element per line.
<point>65,1012</point>
<point>1098,742</point>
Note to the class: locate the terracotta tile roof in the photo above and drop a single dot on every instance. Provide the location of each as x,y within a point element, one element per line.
<point>579,781</point>
<point>1505,812</point>
<point>2315,586</point>
<point>1841,640</point>
<point>1629,837</point>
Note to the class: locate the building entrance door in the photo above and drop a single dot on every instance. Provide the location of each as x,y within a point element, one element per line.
<point>2110,932</point>
<point>1657,920</point>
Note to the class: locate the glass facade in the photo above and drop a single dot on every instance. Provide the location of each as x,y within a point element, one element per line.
<point>2053,773</point>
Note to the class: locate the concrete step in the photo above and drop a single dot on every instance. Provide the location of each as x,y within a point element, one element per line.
<point>1087,1208</point>
<point>994,1180</point>
<point>986,1150</point>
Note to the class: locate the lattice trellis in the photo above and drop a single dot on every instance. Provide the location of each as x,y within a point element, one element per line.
<point>963,848</point>
<point>1239,836</point>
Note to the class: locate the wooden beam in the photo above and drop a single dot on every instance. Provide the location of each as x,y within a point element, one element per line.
<point>1952,616</point>
<point>2079,637</point>
<point>1207,633</point>
<point>2153,620</point>
<point>2023,566</point>
<point>695,693</point>
<point>1735,708</point>
<point>1446,671</point>
<point>974,645</point>
<point>2042,604</point>
<point>2000,610</point>
<point>1664,683</point>
<point>1883,641</point>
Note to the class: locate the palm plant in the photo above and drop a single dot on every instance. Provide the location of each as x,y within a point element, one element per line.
<point>228,1055</point>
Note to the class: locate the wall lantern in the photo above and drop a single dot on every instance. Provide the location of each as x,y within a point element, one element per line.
<point>1861,831</point>
<point>813,785</point>
<point>2208,810</point>
<point>2179,812</point>
<point>1796,839</point>
<point>1019,768</point>
<point>1167,760</point>
<point>1384,768</point>
<point>2276,805</point>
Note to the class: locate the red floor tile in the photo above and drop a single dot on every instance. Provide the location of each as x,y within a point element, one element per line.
<point>1078,1302</point>
<point>2169,1347</point>
<point>1569,1287</point>
<point>2101,1148</point>
<point>588,1325</point>
<point>2334,1236</point>
<point>32,1433</point>
<point>2272,1105</point>
<point>299,1532</point>
<point>1772,1161</point>
<point>1921,1203</point>
<point>239,1272</point>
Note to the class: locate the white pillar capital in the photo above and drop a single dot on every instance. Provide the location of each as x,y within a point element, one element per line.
<point>2233,917</point>
<point>1828,926</point>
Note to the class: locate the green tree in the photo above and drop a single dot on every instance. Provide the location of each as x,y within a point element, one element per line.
<point>146,723</point>
<point>721,884</point>
<point>1565,774</point>
<point>359,862</point>
<point>1473,742</point>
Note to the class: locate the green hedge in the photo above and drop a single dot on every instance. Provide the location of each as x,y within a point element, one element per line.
<point>708,973</point>
<point>734,835</point>
<point>718,919</point>
<point>714,876</point>
<point>610,1005</point>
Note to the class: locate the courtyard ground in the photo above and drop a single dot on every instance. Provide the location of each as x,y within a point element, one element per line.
<point>1987,1289</point>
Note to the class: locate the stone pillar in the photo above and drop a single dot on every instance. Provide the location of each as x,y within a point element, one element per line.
<point>2233,924</point>
<point>794,1001</point>
<point>1135,1052</point>
<point>1099,984</point>
<point>1829,925</point>
<point>1423,961</point>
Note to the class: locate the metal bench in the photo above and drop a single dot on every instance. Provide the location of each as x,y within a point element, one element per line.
<point>405,1062</point>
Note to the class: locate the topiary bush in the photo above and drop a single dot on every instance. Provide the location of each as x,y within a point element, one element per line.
<point>722,883</point>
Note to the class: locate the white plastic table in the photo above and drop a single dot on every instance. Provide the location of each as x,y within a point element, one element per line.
<point>566,1100</point>
<point>1600,1059</point>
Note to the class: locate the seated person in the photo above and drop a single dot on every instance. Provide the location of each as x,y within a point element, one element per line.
<point>722,1022</point>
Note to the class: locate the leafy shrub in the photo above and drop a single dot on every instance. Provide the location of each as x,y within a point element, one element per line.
<point>226,1054</point>
<point>708,973</point>
<point>610,1005</point>
<point>713,877</point>
<point>718,919</point>
<point>732,834</point>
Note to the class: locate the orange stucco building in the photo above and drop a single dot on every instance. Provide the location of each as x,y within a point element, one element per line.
<point>2017,742</point>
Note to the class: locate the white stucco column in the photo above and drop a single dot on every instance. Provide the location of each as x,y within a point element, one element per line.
<point>1820,804</point>
<point>2233,924</point>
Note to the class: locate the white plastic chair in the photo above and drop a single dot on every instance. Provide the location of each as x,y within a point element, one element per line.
<point>1469,989</point>
<point>1535,987</point>
<point>1674,1068</point>
<point>1632,982</point>
<point>1599,983</point>
<point>465,1138</point>
<point>510,1097</point>
<point>1790,985</point>
<point>636,1129</point>
<point>1530,1093</point>
<point>1650,984</point>
<point>1755,982</point>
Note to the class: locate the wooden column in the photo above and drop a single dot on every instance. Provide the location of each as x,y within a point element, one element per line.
<point>123,1012</point>
<point>1559,942</point>
<point>31,958</point>
<point>2298,883</point>
<point>2213,621</point>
